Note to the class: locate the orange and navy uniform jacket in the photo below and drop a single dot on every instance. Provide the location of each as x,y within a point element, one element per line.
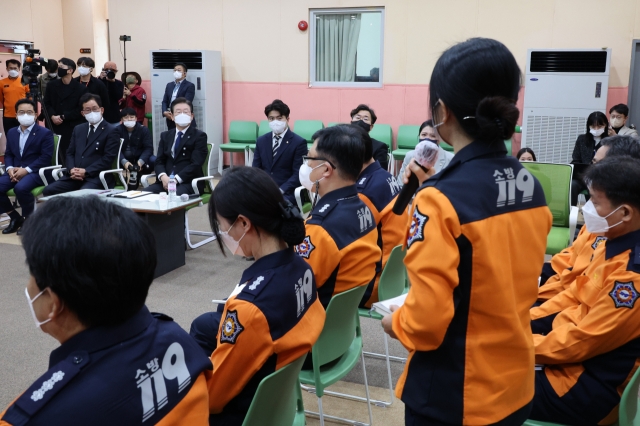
<point>588,336</point>
<point>465,321</point>
<point>341,243</point>
<point>569,264</point>
<point>11,91</point>
<point>274,318</point>
<point>145,371</point>
<point>378,189</point>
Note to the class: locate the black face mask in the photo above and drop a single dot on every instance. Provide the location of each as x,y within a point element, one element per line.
<point>61,72</point>
<point>366,127</point>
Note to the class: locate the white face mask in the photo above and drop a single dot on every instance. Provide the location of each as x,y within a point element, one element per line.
<point>596,133</point>
<point>182,120</point>
<point>93,117</point>
<point>595,223</point>
<point>177,75</point>
<point>278,126</point>
<point>26,120</point>
<point>84,70</point>
<point>305,176</point>
<point>53,75</point>
<point>617,122</point>
<point>232,245</point>
<point>33,312</point>
<point>129,124</point>
<point>13,73</point>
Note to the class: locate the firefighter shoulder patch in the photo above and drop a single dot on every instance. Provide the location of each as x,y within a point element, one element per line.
<point>624,295</point>
<point>599,240</point>
<point>231,328</point>
<point>416,230</point>
<point>305,248</point>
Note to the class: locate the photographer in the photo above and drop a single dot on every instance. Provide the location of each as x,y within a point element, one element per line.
<point>50,74</point>
<point>11,91</point>
<point>136,148</point>
<point>114,90</point>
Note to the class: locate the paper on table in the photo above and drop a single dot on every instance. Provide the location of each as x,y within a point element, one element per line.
<point>384,307</point>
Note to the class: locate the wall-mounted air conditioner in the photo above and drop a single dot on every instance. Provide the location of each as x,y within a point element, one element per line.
<point>205,72</point>
<point>562,87</point>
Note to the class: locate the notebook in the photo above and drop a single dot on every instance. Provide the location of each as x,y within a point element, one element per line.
<point>384,307</point>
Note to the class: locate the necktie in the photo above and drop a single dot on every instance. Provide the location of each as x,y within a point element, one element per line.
<point>92,130</point>
<point>175,92</point>
<point>276,144</point>
<point>176,146</point>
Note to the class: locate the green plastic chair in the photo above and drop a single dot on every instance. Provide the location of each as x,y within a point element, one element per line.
<point>276,399</point>
<point>508,144</point>
<point>306,128</point>
<point>446,146</point>
<point>205,196</point>
<point>383,133</point>
<point>264,128</point>
<point>337,350</point>
<point>241,135</point>
<point>333,123</point>
<point>556,184</point>
<point>149,118</point>
<point>407,140</point>
<point>37,191</point>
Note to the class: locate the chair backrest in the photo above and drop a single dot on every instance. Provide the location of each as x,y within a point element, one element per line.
<point>56,147</point>
<point>116,165</point>
<point>264,128</point>
<point>207,166</point>
<point>629,412</point>
<point>333,123</point>
<point>275,400</point>
<point>508,144</point>
<point>408,136</point>
<point>306,128</point>
<point>383,133</point>
<point>556,184</point>
<point>243,131</point>
<point>392,280</point>
<point>340,326</point>
<point>446,146</point>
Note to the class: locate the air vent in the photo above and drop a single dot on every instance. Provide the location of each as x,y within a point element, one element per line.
<point>167,60</point>
<point>577,61</point>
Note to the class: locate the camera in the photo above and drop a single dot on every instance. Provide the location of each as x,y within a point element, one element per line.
<point>133,176</point>
<point>32,66</point>
<point>111,75</point>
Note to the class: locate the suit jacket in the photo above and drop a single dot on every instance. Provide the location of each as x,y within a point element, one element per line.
<point>583,151</point>
<point>139,142</point>
<point>97,87</point>
<point>284,167</point>
<point>37,152</point>
<point>626,131</point>
<point>192,154</point>
<point>93,154</point>
<point>61,99</point>
<point>187,90</point>
<point>381,153</point>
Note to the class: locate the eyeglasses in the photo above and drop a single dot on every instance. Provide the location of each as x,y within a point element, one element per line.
<point>364,118</point>
<point>306,159</point>
<point>89,111</point>
<point>21,113</point>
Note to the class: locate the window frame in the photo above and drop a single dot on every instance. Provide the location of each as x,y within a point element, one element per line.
<point>312,48</point>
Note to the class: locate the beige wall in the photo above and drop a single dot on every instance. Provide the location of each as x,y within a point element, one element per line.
<point>260,41</point>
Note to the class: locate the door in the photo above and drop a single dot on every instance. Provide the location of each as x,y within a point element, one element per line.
<point>634,86</point>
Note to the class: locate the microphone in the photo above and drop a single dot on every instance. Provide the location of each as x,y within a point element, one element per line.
<point>426,153</point>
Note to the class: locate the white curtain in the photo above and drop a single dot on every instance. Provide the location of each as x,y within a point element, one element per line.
<point>336,47</point>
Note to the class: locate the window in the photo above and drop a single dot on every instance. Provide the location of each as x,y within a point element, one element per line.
<point>346,47</point>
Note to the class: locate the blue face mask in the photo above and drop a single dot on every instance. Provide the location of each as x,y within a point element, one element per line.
<point>429,140</point>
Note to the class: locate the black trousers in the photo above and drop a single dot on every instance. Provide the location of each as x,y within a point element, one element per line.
<point>9,123</point>
<point>68,185</point>
<point>412,418</point>
<point>204,330</point>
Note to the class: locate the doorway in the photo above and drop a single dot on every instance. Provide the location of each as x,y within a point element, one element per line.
<point>633,100</point>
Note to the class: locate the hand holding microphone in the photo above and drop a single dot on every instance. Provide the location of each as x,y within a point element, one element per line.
<point>426,154</point>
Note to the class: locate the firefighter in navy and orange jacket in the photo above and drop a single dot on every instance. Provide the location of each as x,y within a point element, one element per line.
<point>273,317</point>
<point>118,364</point>
<point>378,189</point>
<point>341,241</point>
<point>473,273</point>
<point>588,336</point>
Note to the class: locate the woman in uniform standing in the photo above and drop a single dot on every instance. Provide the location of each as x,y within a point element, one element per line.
<point>475,248</point>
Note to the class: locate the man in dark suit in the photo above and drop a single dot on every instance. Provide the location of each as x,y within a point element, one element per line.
<point>62,102</point>
<point>182,151</point>
<point>280,152</point>
<point>29,147</point>
<point>180,88</point>
<point>366,118</point>
<point>137,146</point>
<point>94,145</point>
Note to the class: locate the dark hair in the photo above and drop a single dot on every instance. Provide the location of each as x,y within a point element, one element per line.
<point>181,101</point>
<point>523,150</point>
<point>620,109</point>
<point>622,145</point>
<point>342,146</point>
<point>27,101</point>
<point>52,65</point>
<point>104,278</point>
<point>12,61</point>
<point>87,61</point>
<point>127,111</point>
<point>596,118</point>
<point>618,177</point>
<point>182,64</point>
<point>277,105</point>
<point>363,107</point>
<point>68,62</point>
<point>428,123</point>
<point>366,141</point>
<point>250,191</point>
<point>90,97</point>
<point>478,80</point>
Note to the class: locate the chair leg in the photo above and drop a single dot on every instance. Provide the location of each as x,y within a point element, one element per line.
<point>366,387</point>
<point>188,233</point>
<point>320,413</point>
<point>388,361</point>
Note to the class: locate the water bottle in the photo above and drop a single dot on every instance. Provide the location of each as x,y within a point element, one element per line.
<point>172,188</point>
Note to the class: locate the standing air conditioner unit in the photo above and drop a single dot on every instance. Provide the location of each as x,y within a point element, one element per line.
<point>562,87</point>
<point>205,72</point>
